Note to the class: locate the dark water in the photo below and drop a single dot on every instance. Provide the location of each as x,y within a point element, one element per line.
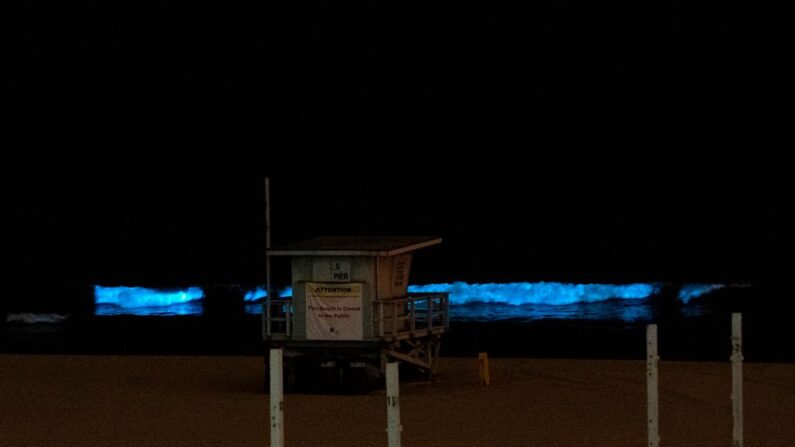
<point>579,325</point>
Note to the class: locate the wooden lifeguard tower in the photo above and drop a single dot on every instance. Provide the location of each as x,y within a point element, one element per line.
<point>350,310</point>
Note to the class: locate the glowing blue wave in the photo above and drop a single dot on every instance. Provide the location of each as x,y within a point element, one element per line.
<point>690,291</point>
<point>260,293</point>
<point>469,301</point>
<point>256,294</point>
<point>137,297</point>
<point>551,293</point>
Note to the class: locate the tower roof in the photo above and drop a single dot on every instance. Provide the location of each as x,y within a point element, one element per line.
<point>355,246</point>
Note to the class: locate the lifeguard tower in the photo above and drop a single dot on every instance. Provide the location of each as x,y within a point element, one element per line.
<point>350,310</point>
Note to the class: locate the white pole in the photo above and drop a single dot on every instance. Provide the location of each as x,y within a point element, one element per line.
<point>277,399</point>
<point>651,384</point>
<point>393,427</point>
<point>737,379</point>
<point>266,310</point>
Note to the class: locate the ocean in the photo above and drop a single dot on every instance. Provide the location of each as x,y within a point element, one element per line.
<point>547,319</point>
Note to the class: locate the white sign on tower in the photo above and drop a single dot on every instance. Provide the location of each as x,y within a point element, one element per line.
<point>334,311</point>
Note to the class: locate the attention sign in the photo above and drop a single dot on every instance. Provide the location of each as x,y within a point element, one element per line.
<point>333,311</point>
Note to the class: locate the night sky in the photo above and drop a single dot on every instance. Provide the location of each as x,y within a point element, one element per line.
<point>554,141</point>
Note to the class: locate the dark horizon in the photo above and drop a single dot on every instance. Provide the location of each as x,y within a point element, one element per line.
<point>553,141</point>
<point>180,230</point>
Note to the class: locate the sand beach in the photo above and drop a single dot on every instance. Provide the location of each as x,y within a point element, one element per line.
<point>87,400</point>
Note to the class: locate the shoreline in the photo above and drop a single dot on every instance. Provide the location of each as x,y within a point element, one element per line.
<point>695,339</point>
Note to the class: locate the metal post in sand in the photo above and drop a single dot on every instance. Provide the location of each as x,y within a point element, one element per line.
<point>737,379</point>
<point>277,399</point>
<point>652,407</point>
<point>393,426</point>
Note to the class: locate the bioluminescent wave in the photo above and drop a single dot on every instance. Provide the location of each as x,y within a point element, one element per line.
<point>256,294</point>
<point>145,301</point>
<point>550,293</point>
<point>252,297</point>
<point>145,297</point>
<point>690,291</point>
<point>545,300</point>
<point>520,300</point>
<point>260,293</point>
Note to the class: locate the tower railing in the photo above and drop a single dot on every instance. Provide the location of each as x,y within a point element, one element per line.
<point>278,317</point>
<point>416,315</point>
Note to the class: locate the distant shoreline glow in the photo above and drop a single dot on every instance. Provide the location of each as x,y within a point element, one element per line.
<point>133,297</point>
<point>520,296</point>
<point>690,291</point>
<point>256,294</point>
<point>260,293</point>
<point>551,293</point>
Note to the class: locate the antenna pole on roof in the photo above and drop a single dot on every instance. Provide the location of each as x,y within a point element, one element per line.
<point>265,328</point>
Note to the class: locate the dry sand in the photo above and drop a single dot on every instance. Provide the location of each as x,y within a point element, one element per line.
<point>217,401</point>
